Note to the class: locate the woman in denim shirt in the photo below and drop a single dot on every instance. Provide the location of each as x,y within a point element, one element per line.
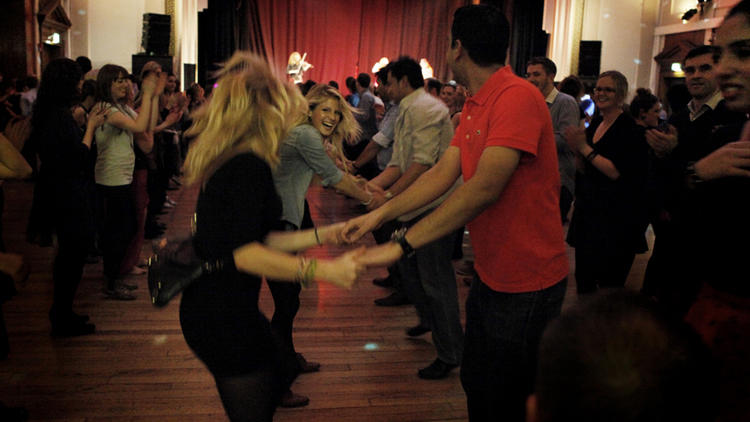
<point>329,121</point>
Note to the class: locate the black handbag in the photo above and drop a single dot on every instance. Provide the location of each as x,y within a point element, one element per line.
<point>174,266</point>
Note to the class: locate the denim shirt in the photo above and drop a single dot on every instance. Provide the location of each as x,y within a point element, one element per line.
<point>302,156</point>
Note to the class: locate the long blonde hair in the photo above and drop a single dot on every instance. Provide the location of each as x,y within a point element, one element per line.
<point>251,109</point>
<point>347,128</point>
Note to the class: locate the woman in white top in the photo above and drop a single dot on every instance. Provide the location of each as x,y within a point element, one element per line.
<point>115,164</point>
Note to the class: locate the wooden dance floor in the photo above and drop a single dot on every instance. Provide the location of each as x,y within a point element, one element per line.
<point>137,367</point>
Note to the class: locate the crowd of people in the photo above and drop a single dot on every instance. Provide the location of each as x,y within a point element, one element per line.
<point>512,161</point>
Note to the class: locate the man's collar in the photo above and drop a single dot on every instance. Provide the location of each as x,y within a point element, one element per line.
<point>715,99</point>
<point>490,84</point>
<point>711,103</point>
<point>406,101</point>
<point>552,96</point>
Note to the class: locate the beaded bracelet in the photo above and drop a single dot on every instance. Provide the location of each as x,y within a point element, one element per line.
<point>306,271</point>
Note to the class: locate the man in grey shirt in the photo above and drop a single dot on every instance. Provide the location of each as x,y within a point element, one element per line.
<point>563,108</point>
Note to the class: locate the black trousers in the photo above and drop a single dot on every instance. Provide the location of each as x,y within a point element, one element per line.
<point>75,235</point>
<point>119,227</point>
<point>602,267</point>
<point>667,278</point>
<point>286,305</point>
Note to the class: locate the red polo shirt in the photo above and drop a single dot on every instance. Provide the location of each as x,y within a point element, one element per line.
<point>517,241</point>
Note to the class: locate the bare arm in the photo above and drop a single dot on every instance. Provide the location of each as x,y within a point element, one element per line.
<point>496,166</point>
<point>387,177</point>
<point>294,241</point>
<point>576,138</point>
<point>426,188</point>
<point>349,187</point>
<point>371,151</point>
<point>140,124</point>
<point>410,175</point>
<point>12,163</point>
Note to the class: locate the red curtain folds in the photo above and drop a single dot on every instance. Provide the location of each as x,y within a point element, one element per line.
<point>345,37</point>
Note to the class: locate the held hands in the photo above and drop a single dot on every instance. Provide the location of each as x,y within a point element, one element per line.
<point>378,199</point>
<point>332,234</point>
<point>344,270</point>
<point>381,255</point>
<point>662,143</point>
<point>149,84</point>
<point>357,227</point>
<point>732,159</point>
<point>575,137</point>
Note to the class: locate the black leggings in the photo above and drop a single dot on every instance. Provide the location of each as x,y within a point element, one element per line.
<point>250,397</point>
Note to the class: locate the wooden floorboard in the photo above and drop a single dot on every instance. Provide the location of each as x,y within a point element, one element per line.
<point>137,366</point>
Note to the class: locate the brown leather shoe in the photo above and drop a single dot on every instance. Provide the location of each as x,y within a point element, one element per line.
<point>289,399</point>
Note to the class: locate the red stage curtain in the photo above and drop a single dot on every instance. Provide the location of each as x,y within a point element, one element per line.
<point>345,37</point>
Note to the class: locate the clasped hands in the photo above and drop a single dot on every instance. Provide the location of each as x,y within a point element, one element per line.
<point>349,232</point>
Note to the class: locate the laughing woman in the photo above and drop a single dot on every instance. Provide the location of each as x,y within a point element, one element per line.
<point>303,156</point>
<point>609,219</point>
<point>239,131</point>
<point>115,163</point>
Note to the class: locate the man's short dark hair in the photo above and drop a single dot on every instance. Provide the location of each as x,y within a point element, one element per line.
<point>713,50</point>
<point>483,31</point>
<point>547,64</point>
<point>435,84</point>
<point>572,86</point>
<point>333,84</point>
<point>616,357</point>
<point>351,83</point>
<point>363,79</point>
<point>406,66</point>
<point>382,74</point>
<point>84,63</point>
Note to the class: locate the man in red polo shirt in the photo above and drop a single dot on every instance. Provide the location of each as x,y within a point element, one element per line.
<point>504,147</point>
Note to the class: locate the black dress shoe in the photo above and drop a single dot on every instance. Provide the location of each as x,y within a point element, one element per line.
<point>394,299</point>
<point>437,370</point>
<point>418,330</point>
<point>13,414</point>
<point>383,282</point>
<point>290,399</point>
<point>305,366</point>
<point>72,329</point>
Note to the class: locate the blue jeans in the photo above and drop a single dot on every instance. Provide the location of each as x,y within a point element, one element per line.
<point>500,349</point>
<point>429,280</point>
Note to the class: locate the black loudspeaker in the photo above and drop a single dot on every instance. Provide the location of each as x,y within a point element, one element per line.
<point>188,74</point>
<point>141,59</point>
<point>156,33</point>
<point>589,58</point>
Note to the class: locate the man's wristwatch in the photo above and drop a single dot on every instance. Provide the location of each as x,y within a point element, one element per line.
<point>692,177</point>
<point>399,236</point>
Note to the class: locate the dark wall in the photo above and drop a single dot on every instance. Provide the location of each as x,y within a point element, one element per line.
<point>13,38</point>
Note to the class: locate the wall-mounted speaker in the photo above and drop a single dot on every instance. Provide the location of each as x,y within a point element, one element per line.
<point>157,31</point>
<point>589,58</point>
